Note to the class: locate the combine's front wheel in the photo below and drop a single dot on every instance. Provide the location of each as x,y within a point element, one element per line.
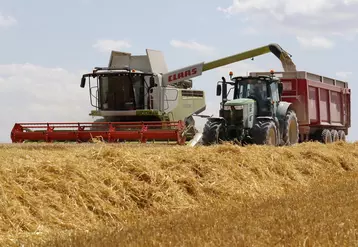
<point>212,132</point>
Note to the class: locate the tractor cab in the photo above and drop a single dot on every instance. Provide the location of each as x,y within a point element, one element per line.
<point>264,90</point>
<point>263,93</point>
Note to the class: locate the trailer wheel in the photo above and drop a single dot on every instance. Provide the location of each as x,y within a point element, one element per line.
<point>326,136</point>
<point>335,136</point>
<point>265,133</point>
<point>290,129</point>
<point>342,135</point>
<point>213,130</point>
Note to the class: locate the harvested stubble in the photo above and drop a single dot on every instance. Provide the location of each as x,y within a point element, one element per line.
<point>52,190</point>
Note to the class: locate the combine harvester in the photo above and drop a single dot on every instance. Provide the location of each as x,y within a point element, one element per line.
<point>139,100</point>
<point>281,109</point>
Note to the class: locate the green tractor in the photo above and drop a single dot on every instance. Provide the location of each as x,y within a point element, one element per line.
<point>255,115</point>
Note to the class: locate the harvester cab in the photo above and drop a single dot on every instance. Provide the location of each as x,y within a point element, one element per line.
<point>255,114</point>
<point>136,89</point>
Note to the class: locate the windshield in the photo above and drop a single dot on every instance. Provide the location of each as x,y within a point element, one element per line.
<point>251,87</point>
<point>121,92</point>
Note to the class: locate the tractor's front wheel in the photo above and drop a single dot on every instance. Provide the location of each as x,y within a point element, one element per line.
<point>212,132</point>
<point>265,133</point>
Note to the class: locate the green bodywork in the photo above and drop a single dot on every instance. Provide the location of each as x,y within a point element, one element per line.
<point>186,106</point>
<point>246,113</point>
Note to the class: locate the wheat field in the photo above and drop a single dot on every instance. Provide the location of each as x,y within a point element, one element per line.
<point>159,195</point>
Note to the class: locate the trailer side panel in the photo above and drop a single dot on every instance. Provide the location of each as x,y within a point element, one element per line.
<point>320,102</point>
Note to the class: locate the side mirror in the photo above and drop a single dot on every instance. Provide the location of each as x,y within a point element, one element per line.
<point>218,90</point>
<point>83,82</point>
<point>151,82</point>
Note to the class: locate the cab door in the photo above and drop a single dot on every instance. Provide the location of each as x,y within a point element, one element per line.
<point>275,99</point>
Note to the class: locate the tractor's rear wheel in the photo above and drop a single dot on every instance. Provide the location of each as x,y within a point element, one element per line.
<point>265,133</point>
<point>212,132</point>
<point>290,129</point>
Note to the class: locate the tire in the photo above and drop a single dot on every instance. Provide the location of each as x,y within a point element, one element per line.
<point>212,132</point>
<point>342,135</point>
<point>335,136</point>
<point>326,136</point>
<point>290,129</point>
<point>265,133</point>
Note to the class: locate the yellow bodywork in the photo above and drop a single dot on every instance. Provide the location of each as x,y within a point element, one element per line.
<point>187,105</point>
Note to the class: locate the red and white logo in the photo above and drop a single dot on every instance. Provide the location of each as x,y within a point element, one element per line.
<point>183,74</point>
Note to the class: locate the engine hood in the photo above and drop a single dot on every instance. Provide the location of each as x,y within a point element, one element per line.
<point>236,102</point>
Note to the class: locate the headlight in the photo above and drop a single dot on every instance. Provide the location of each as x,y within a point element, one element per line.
<point>227,108</point>
<point>238,107</point>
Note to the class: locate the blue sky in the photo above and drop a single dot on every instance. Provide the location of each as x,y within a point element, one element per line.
<point>46,45</point>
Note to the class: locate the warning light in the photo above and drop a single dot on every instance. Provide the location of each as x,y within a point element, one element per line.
<point>272,71</point>
<point>133,70</point>
<point>231,74</point>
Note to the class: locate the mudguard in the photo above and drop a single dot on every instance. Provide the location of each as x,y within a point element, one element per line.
<point>269,118</point>
<point>282,109</point>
